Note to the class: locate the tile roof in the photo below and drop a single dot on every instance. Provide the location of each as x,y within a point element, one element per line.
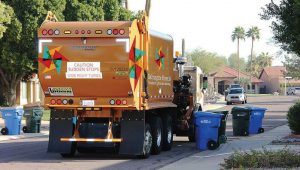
<point>274,71</point>
<point>227,72</point>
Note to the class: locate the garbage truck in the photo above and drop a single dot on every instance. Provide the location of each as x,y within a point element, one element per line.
<point>115,84</point>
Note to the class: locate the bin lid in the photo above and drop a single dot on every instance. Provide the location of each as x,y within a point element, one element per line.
<point>256,108</point>
<point>207,114</point>
<point>31,105</point>
<point>225,112</point>
<point>11,108</point>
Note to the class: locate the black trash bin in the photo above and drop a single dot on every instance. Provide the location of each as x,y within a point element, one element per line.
<point>222,128</point>
<point>240,121</point>
<point>33,115</point>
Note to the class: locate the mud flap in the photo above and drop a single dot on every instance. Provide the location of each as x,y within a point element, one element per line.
<point>132,132</point>
<point>61,126</point>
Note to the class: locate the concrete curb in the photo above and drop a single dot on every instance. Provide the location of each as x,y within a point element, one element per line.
<point>23,136</point>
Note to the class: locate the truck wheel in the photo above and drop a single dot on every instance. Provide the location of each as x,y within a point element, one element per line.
<point>167,138</point>
<point>24,129</point>
<point>191,133</point>
<point>147,142</point>
<point>228,103</point>
<point>72,151</point>
<point>4,131</point>
<point>156,132</point>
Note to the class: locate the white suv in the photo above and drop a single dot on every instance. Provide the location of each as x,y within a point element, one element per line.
<point>293,91</point>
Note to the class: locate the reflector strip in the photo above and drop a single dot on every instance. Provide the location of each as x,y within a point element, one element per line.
<point>88,108</point>
<point>41,44</point>
<point>67,32</point>
<point>126,41</point>
<point>90,140</point>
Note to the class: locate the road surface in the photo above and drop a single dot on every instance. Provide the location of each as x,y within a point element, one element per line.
<point>31,153</point>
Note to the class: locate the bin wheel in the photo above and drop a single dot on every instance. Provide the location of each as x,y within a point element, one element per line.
<point>222,139</point>
<point>212,145</point>
<point>246,133</point>
<point>25,129</point>
<point>261,130</point>
<point>4,131</point>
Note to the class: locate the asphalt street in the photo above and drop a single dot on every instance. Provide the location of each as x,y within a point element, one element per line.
<point>31,153</point>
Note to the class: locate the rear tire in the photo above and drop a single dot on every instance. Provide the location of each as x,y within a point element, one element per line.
<point>156,132</point>
<point>4,131</point>
<point>167,138</point>
<point>72,151</point>
<point>147,142</point>
<point>228,103</point>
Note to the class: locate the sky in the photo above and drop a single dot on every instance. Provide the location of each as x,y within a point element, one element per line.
<point>208,24</point>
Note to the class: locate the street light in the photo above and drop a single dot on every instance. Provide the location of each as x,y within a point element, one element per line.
<point>286,78</point>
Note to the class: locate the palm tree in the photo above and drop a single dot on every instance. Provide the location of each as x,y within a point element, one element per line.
<point>238,34</point>
<point>254,34</point>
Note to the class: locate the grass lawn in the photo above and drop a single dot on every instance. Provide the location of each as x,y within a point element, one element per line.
<point>46,115</point>
<point>258,95</point>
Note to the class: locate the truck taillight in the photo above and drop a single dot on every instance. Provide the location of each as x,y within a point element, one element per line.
<point>44,32</point>
<point>121,31</point>
<point>124,102</point>
<point>76,32</point>
<point>50,32</point>
<point>58,101</point>
<point>109,31</point>
<point>65,101</point>
<point>115,31</point>
<point>71,101</point>
<point>82,32</point>
<point>118,102</point>
<point>112,102</point>
<point>88,31</point>
<point>56,32</point>
<point>52,101</point>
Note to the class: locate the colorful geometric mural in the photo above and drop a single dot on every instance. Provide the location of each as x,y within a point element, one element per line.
<point>135,66</point>
<point>52,59</point>
<point>160,58</point>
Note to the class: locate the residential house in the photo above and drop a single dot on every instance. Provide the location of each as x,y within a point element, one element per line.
<point>274,80</point>
<point>220,80</point>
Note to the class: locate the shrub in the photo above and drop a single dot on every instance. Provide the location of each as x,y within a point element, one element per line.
<point>284,158</point>
<point>293,117</point>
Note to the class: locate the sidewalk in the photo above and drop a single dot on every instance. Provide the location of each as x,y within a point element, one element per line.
<point>212,159</point>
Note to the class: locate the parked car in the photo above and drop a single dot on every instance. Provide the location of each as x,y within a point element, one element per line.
<point>293,91</point>
<point>233,86</point>
<point>236,95</point>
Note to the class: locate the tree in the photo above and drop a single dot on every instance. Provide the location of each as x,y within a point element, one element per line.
<point>254,34</point>
<point>82,10</point>
<point>263,60</point>
<point>292,63</point>
<point>207,61</point>
<point>18,46</point>
<point>235,62</point>
<point>6,12</point>
<point>96,10</point>
<point>238,34</point>
<point>285,18</point>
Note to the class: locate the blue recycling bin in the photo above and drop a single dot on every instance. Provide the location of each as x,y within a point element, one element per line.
<point>207,129</point>
<point>12,118</point>
<point>256,117</point>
